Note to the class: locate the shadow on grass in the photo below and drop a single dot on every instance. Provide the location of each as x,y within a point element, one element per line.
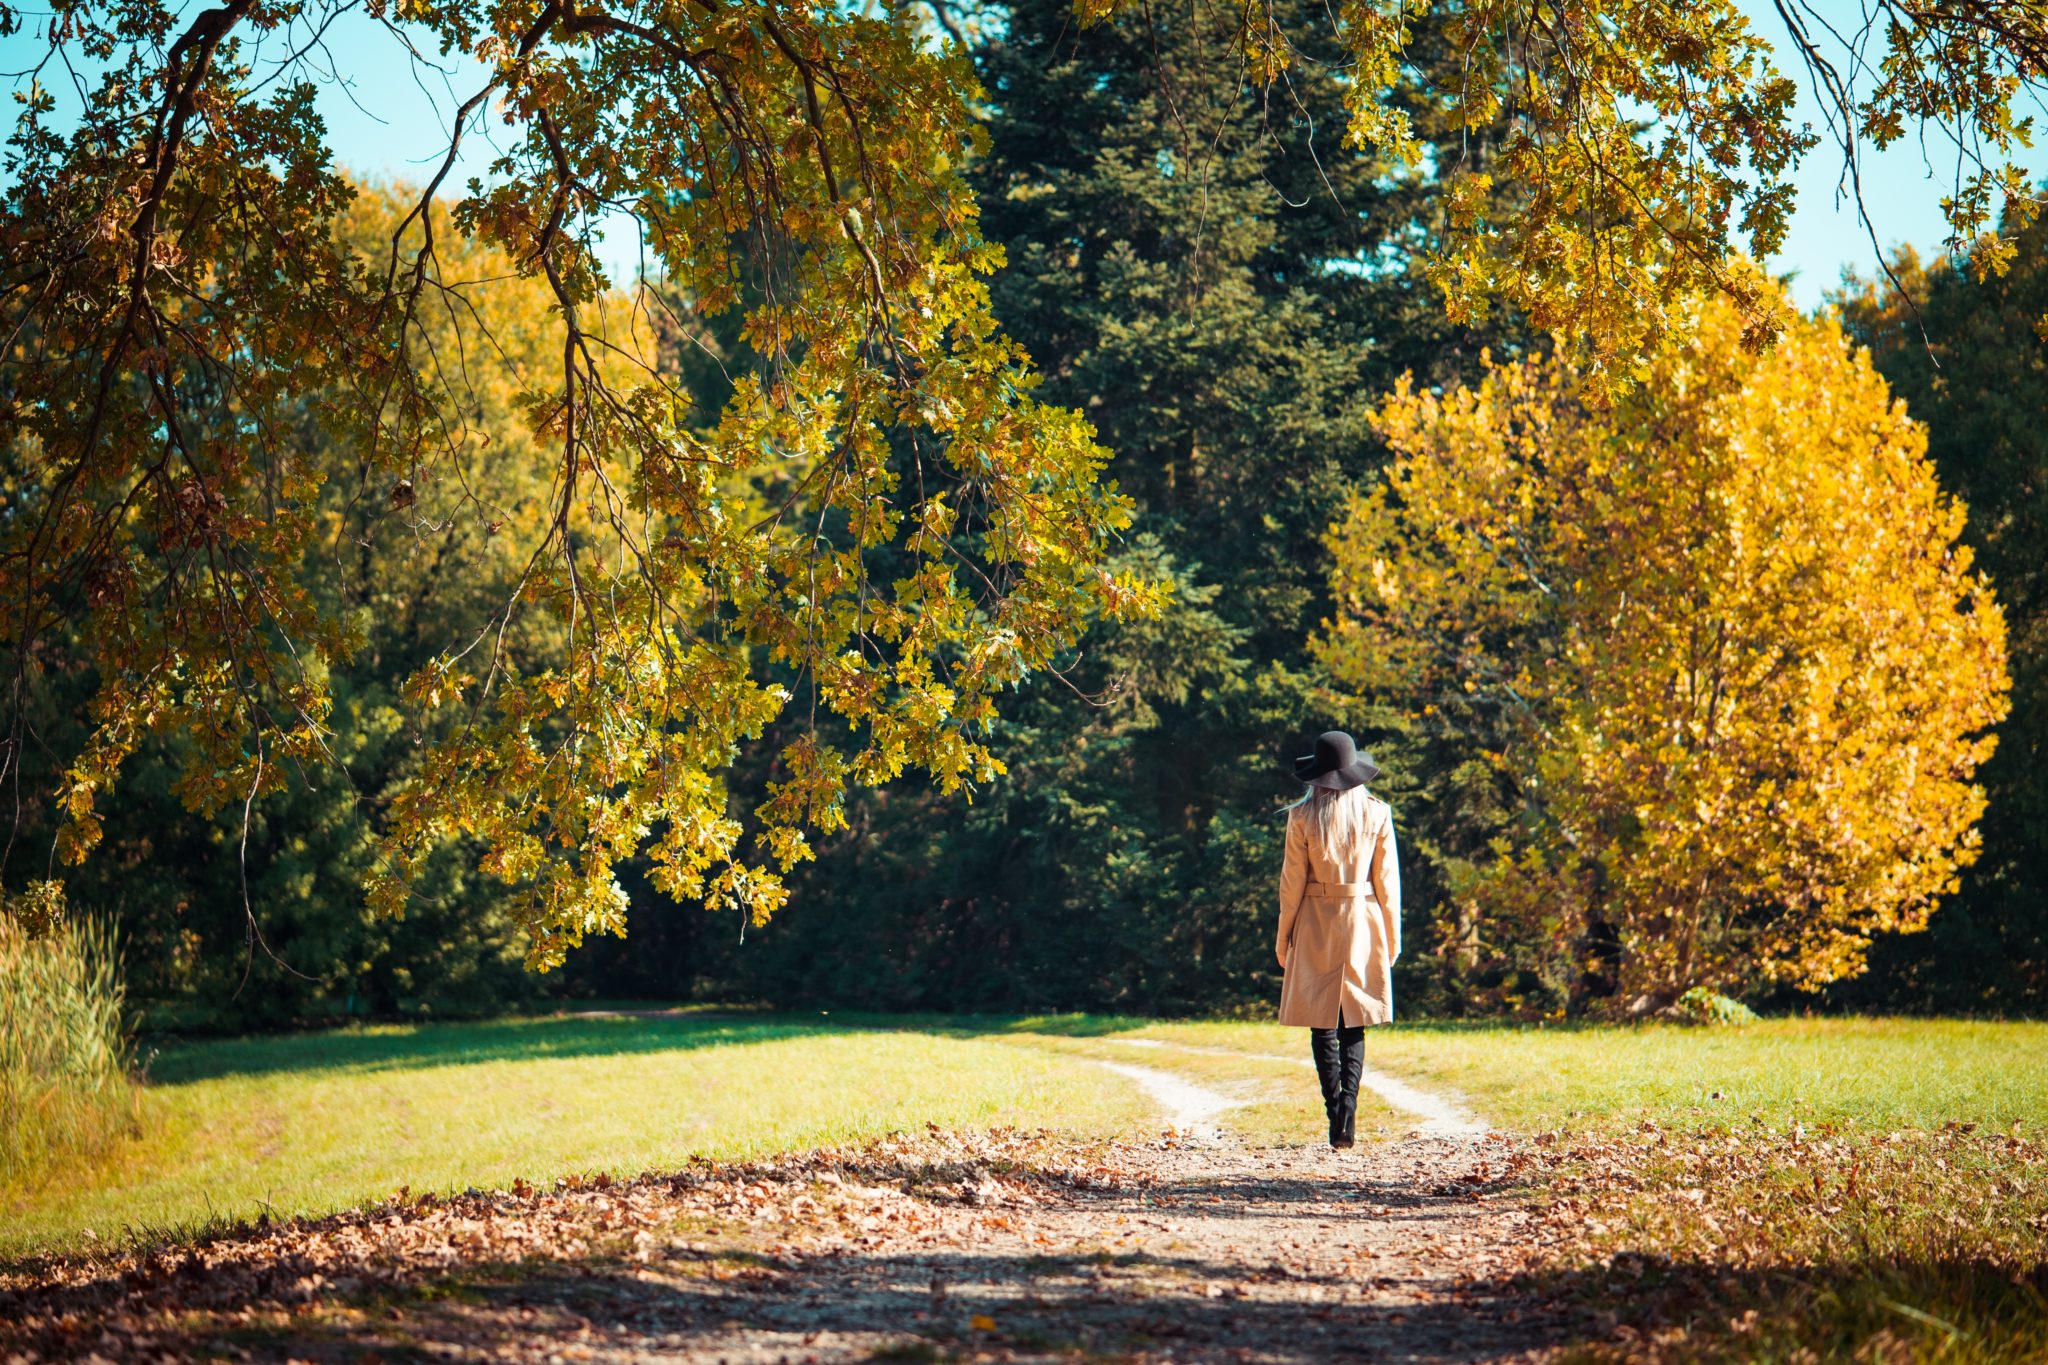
<point>616,1032</point>
<point>1650,1308</point>
<point>414,1047</point>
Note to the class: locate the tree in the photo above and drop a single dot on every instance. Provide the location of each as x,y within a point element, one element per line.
<point>883,525</point>
<point>1742,670</point>
<point>1185,266</point>
<point>257,917</point>
<point>881,508</point>
<point>1966,354</point>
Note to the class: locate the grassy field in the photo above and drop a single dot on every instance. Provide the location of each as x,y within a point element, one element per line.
<point>1918,1073</point>
<point>1791,1190</point>
<point>311,1122</point>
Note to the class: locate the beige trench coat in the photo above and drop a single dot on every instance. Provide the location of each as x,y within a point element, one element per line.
<point>1340,926</point>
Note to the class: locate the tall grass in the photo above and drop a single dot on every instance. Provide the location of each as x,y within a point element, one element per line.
<point>66,1083</point>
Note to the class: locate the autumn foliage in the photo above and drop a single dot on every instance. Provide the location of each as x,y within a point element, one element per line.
<point>878,523</point>
<point>1725,651</point>
<point>737,604</point>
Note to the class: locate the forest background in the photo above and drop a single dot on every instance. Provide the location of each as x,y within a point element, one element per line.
<point>1227,295</point>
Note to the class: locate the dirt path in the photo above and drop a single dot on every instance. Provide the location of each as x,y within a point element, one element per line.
<point>1188,1108</point>
<point>1200,1252</point>
<point>971,1247</point>
<point>1440,1117</point>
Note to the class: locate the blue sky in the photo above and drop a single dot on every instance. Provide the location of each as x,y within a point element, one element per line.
<point>1902,187</point>
<point>388,117</point>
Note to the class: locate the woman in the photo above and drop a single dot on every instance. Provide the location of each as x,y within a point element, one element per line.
<point>1340,919</point>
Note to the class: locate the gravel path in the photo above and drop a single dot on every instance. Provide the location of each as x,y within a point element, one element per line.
<point>1190,1109</point>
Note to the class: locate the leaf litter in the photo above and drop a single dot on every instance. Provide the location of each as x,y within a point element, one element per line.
<point>1648,1243</point>
<point>973,1245</point>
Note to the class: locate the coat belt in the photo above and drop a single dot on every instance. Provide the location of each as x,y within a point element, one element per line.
<point>1341,889</point>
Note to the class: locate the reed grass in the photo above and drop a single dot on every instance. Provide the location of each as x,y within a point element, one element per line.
<point>67,1085</point>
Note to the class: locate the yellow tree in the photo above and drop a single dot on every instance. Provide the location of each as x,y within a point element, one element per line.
<point>1742,670</point>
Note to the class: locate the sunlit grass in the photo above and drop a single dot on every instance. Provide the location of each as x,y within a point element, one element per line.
<point>309,1123</point>
<point>1877,1072</point>
<point>1278,1099</point>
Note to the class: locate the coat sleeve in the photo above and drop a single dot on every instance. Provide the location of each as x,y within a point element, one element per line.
<point>1386,882</point>
<point>1293,881</point>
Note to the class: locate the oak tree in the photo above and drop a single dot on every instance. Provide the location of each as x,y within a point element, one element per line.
<point>882,509</point>
<point>249,918</point>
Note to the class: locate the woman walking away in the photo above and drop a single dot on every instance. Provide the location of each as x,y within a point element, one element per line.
<point>1340,919</point>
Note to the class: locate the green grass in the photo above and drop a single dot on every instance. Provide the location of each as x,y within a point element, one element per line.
<point>312,1122</point>
<point>1881,1073</point>
<point>1917,1073</point>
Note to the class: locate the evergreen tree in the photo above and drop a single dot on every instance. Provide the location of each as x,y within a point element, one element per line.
<point>1224,288</point>
<point>1969,359</point>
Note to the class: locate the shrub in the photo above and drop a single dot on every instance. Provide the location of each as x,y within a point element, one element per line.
<point>66,1083</point>
<point>1702,1006</point>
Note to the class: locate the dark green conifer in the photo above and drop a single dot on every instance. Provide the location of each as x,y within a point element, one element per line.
<point>1969,358</point>
<point>1224,287</point>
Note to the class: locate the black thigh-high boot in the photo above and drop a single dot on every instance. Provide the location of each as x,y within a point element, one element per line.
<point>1349,1045</point>
<point>1322,1044</point>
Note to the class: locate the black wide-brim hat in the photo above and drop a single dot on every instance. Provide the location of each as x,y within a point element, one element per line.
<point>1336,763</point>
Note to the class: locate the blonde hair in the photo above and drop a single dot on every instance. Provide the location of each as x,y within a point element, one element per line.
<point>1340,818</point>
